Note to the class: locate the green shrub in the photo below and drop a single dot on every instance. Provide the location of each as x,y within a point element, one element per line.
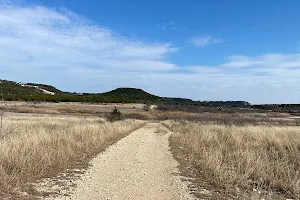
<point>113,116</point>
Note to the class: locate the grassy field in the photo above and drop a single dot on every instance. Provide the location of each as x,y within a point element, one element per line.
<point>73,108</point>
<point>249,154</point>
<point>240,159</point>
<point>35,147</point>
<point>138,111</point>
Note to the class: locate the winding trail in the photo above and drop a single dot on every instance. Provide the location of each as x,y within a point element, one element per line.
<point>140,166</point>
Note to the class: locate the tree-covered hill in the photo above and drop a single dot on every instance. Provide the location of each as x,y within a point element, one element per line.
<point>14,91</point>
<point>133,94</point>
<point>14,88</point>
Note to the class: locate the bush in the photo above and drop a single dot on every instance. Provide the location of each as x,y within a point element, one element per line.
<point>115,115</point>
<point>146,107</point>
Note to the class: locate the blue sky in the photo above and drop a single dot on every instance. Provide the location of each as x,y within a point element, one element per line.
<point>204,50</point>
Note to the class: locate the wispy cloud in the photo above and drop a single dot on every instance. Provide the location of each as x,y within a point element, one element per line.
<point>275,60</point>
<point>39,37</point>
<point>167,25</point>
<point>162,27</point>
<point>40,44</point>
<point>204,40</point>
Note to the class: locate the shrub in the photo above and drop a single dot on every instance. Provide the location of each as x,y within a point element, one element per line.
<point>115,115</point>
<point>146,107</point>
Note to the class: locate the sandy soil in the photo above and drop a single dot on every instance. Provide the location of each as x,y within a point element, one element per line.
<point>139,166</point>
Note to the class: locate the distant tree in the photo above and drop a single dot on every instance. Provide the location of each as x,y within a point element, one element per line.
<point>115,115</point>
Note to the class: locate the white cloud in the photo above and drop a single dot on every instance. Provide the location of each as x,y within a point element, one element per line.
<point>204,40</point>
<point>267,60</point>
<point>58,47</point>
<point>39,37</point>
<point>167,25</point>
<point>205,70</point>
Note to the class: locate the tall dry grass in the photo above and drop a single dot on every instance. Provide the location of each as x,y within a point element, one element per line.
<point>246,157</point>
<point>41,147</point>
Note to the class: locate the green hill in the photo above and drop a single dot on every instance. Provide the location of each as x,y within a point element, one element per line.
<point>132,94</point>
<point>14,91</point>
<point>14,88</point>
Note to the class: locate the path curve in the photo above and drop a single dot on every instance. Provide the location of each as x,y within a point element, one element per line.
<point>138,167</point>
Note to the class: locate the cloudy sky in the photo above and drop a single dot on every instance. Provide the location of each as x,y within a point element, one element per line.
<point>203,50</point>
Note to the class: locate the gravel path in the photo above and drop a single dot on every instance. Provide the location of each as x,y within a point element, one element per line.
<point>140,166</point>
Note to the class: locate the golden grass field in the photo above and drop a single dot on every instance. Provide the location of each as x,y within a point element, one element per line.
<point>35,147</point>
<point>241,159</point>
<point>230,154</point>
<point>73,108</point>
<point>137,111</point>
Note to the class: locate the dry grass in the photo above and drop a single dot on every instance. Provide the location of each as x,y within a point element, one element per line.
<point>136,111</point>
<point>39,147</point>
<point>245,158</point>
<point>73,108</point>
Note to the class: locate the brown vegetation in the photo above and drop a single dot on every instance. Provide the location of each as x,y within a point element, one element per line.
<point>233,150</point>
<point>137,111</point>
<point>241,159</point>
<point>74,108</point>
<point>39,147</point>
